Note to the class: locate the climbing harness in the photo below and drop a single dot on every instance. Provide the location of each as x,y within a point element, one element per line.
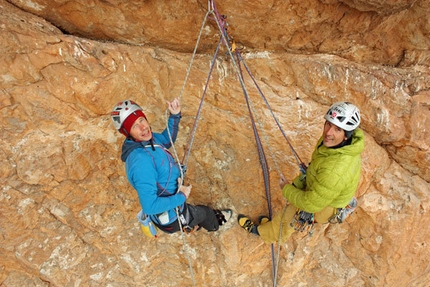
<point>184,220</point>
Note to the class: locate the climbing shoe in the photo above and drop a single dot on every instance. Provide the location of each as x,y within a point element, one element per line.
<point>223,215</point>
<point>247,224</point>
<point>263,219</point>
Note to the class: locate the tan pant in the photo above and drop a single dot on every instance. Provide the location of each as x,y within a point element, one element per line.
<point>269,231</point>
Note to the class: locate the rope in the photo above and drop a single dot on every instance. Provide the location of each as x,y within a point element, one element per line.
<point>194,53</point>
<point>192,134</point>
<point>183,88</point>
<point>302,166</point>
<point>275,259</point>
<point>264,166</point>
<point>278,253</point>
<point>262,156</point>
<point>266,139</point>
<point>185,245</point>
<point>222,25</point>
<point>279,246</point>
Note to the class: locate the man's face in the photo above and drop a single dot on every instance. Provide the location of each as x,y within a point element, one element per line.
<point>333,135</point>
<point>140,130</point>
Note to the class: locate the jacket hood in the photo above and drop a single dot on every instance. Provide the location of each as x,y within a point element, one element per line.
<point>130,145</point>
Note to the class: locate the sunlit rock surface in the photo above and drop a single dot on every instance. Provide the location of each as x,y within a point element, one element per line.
<point>68,214</point>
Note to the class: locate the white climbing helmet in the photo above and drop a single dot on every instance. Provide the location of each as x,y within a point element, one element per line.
<point>121,111</point>
<point>344,115</point>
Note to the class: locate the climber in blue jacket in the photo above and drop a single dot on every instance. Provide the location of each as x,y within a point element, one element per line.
<point>154,174</point>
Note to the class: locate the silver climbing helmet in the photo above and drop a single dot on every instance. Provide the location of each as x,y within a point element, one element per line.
<point>344,115</point>
<point>121,112</point>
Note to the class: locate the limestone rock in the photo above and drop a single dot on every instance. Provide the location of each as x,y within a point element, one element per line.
<point>389,6</point>
<point>363,31</point>
<point>68,214</point>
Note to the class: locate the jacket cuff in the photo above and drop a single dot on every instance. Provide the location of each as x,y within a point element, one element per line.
<point>183,194</point>
<point>178,115</point>
<point>298,182</point>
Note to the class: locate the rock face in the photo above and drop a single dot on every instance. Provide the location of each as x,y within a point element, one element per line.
<point>67,210</point>
<point>381,32</point>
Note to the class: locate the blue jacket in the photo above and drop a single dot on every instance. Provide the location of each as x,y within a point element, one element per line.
<point>154,173</point>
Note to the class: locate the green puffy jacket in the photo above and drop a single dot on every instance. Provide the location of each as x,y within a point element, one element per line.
<point>331,178</point>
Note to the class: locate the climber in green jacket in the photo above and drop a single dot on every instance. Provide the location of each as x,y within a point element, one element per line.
<point>328,187</point>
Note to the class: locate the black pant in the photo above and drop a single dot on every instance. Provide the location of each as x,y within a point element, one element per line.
<point>201,215</point>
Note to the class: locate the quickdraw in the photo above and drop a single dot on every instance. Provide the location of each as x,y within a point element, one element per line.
<point>303,221</point>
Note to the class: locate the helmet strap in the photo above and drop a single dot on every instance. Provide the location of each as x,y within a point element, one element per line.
<point>151,141</point>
